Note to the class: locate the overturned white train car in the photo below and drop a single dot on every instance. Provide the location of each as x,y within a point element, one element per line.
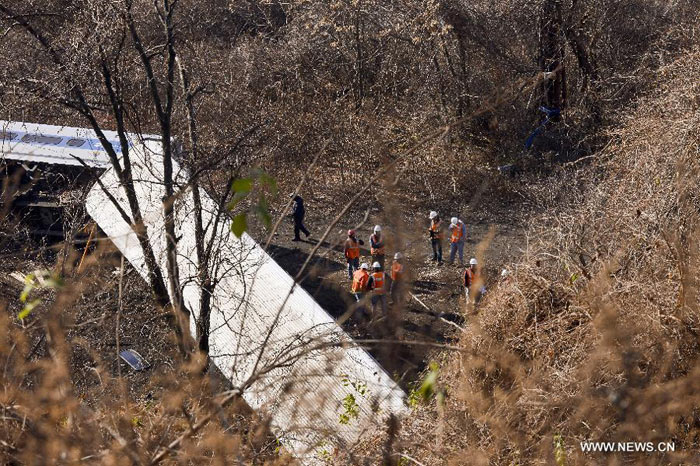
<point>319,389</point>
<point>62,145</point>
<point>46,170</point>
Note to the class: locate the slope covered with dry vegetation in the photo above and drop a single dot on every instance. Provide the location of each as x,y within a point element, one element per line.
<point>596,334</point>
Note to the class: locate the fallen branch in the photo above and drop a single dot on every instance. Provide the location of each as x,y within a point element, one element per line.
<point>437,315</point>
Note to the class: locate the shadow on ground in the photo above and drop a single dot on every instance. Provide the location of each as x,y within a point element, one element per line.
<point>400,341</point>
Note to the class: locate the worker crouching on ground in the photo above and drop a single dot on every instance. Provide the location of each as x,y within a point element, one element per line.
<point>435,232</point>
<point>360,282</point>
<point>352,252</point>
<point>298,212</point>
<point>376,245</point>
<point>458,233</point>
<point>377,283</point>
<point>472,279</point>
<point>397,280</point>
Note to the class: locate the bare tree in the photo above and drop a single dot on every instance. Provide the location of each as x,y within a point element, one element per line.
<point>119,57</point>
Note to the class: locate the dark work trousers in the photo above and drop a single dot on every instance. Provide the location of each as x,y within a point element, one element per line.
<point>454,247</point>
<point>437,249</point>
<point>299,226</point>
<point>397,293</point>
<point>381,300</point>
<point>353,264</point>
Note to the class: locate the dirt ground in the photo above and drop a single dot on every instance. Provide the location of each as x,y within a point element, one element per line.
<point>438,309</point>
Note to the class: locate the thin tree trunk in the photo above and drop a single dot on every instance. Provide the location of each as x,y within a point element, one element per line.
<point>359,67</point>
<point>164,108</point>
<point>552,54</point>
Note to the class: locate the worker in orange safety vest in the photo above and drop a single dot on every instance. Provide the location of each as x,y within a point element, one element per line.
<point>472,279</point>
<point>352,252</point>
<point>435,234</point>
<point>397,278</point>
<point>378,285</point>
<point>360,281</point>
<point>376,245</point>
<point>458,234</point>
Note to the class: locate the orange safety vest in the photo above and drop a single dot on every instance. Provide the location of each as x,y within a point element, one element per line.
<point>359,281</point>
<point>456,233</point>
<point>378,278</point>
<point>435,228</point>
<point>379,250</point>
<point>470,277</point>
<point>352,249</point>
<point>396,271</point>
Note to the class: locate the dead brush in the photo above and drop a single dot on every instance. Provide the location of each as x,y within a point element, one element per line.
<point>595,334</point>
<point>62,400</point>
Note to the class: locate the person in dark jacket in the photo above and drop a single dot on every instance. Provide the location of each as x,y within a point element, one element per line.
<point>298,212</point>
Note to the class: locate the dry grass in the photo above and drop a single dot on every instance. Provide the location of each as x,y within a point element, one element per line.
<point>596,334</point>
<point>64,400</point>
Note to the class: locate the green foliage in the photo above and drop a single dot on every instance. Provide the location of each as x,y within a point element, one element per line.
<point>414,398</point>
<point>351,410</point>
<point>324,453</point>
<point>559,450</point>
<point>258,186</point>
<point>33,281</point>
<point>428,389</point>
<point>360,387</point>
<point>242,185</point>
<point>239,225</point>
<point>429,386</point>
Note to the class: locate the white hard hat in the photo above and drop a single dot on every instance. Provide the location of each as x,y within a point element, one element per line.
<point>472,261</point>
<point>504,273</point>
<point>398,255</point>
<point>364,266</point>
<point>377,228</point>
<point>433,214</point>
<point>454,220</point>
<point>376,265</point>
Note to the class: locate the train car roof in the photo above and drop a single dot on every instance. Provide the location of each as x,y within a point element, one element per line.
<point>57,145</point>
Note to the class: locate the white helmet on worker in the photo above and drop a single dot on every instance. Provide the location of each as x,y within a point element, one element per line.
<point>398,256</point>
<point>377,228</point>
<point>364,266</point>
<point>433,214</point>
<point>454,220</point>
<point>472,261</point>
<point>376,265</point>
